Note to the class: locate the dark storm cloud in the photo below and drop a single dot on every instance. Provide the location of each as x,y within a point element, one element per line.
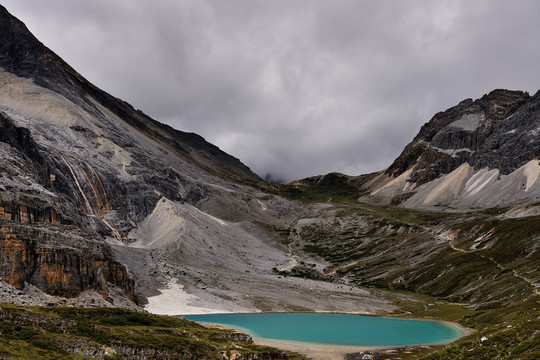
<point>295,88</point>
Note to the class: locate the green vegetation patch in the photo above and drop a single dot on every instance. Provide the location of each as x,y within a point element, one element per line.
<point>332,187</point>
<point>511,332</point>
<point>80,333</point>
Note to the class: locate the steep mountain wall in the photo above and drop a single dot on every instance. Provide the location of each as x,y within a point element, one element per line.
<point>40,245</point>
<point>25,56</point>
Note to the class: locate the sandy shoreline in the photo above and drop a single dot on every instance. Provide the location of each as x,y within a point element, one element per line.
<point>466,331</point>
<point>316,351</point>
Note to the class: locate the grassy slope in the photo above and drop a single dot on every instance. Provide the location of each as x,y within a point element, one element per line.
<point>426,262</point>
<point>75,333</point>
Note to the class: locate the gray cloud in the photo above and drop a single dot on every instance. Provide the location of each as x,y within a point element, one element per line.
<point>295,88</point>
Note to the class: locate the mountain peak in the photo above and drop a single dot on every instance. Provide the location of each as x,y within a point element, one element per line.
<point>489,141</point>
<point>451,137</point>
<point>89,168</point>
<point>22,54</point>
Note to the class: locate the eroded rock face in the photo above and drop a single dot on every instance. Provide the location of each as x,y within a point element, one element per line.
<point>477,154</point>
<point>469,132</point>
<point>62,272</point>
<point>60,254</point>
<point>57,259</point>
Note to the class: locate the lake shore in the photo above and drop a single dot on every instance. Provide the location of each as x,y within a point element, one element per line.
<point>466,331</point>
<point>310,350</point>
<point>318,351</point>
<point>175,300</point>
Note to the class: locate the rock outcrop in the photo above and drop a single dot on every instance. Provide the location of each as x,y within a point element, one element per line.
<point>58,253</point>
<point>60,271</point>
<point>466,154</point>
<point>466,132</point>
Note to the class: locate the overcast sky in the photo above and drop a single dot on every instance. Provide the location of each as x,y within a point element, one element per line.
<point>295,88</point>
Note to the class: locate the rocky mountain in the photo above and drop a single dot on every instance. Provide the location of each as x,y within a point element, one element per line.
<point>79,166</point>
<point>477,154</point>
<point>97,199</point>
<point>23,55</point>
<point>454,216</point>
<point>100,205</point>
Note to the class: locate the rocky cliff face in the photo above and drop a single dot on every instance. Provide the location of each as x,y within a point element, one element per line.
<point>56,270</point>
<point>90,187</point>
<point>58,253</point>
<point>462,155</point>
<point>78,166</point>
<point>463,133</point>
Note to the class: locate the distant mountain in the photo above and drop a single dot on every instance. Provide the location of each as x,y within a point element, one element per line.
<point>477,154</point>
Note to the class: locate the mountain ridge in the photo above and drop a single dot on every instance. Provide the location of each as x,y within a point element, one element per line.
<point>495,106</point>
<point>22,54</point>
<point>51,119</point>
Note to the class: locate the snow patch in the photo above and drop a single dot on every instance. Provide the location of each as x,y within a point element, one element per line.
<point>173,300</point>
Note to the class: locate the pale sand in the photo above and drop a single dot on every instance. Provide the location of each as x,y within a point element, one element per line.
<point>466,331</point>
<point>315,351</point>
<point>312,351</point>
<point>332,352</point>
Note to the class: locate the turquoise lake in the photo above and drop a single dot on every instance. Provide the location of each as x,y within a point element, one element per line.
<point>337,329</point>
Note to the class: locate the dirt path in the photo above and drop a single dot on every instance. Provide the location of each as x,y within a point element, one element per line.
<point>501,267</point>
<point>458,249</point>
